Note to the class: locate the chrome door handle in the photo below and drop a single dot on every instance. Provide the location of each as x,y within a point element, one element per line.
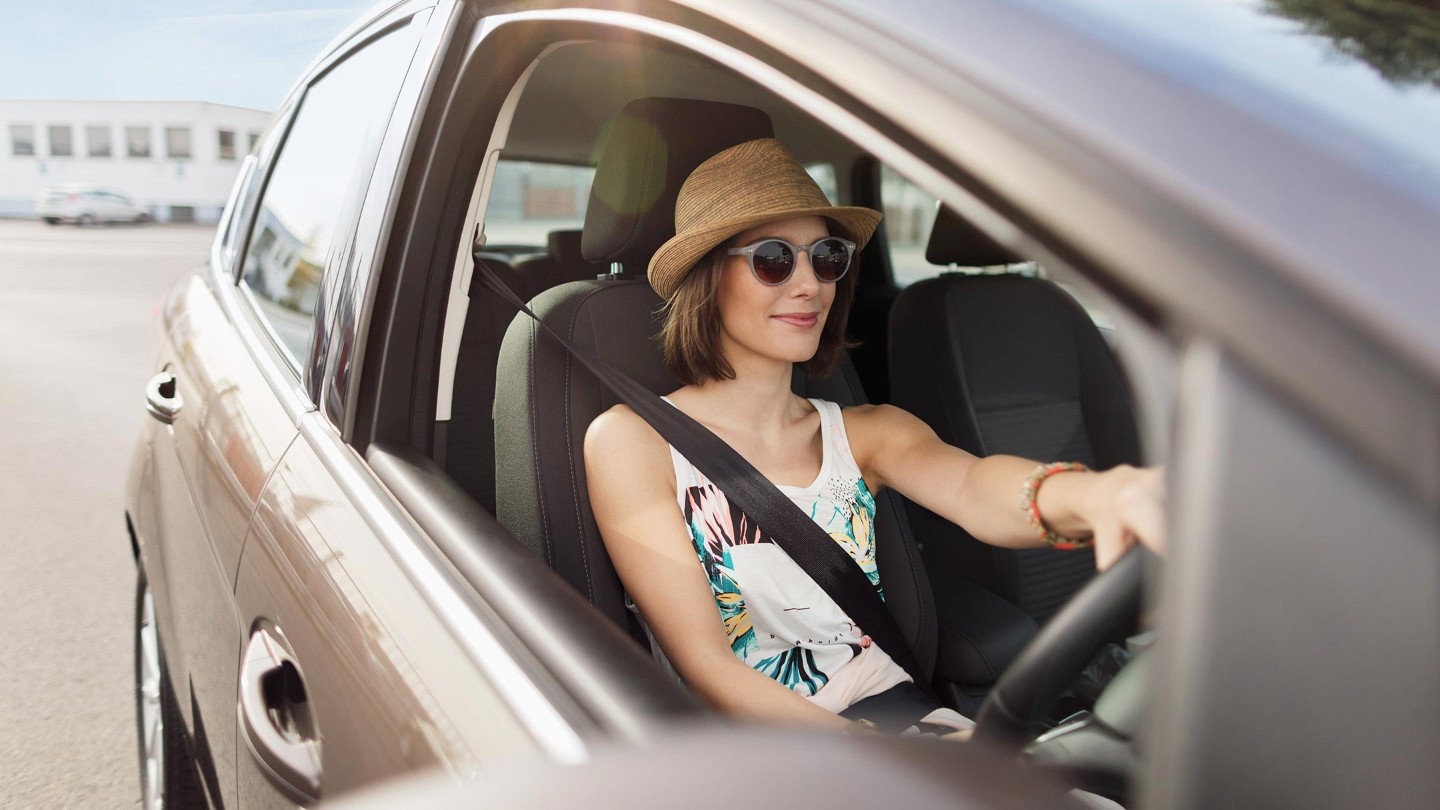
<point>275,718</point>
<point>162,399</point>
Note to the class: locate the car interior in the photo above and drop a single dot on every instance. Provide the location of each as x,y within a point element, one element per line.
<point>978,341</point>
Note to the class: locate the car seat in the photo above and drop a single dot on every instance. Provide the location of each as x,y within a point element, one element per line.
<point>1005,364</point>
<point>561,263</point>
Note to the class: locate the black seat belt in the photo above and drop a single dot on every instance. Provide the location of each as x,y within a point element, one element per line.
<point>817,554</point>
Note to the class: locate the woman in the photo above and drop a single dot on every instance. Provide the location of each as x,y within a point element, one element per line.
<point>758,278</point>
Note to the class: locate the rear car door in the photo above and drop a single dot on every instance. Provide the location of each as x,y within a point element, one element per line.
<point>348,673</point>
<point>220,430</point>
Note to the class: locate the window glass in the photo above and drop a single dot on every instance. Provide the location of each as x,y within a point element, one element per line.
<point>177,142</point>
<point>22,140</point>
<point>97,137</point>
<point>528,200</point>
<point>909,218</point>
<point>254,139</point>
<point>824,176</point>
<point>226,142</point>
<point>60,145</point>
<point>323,164</point>
<point>137,142</point>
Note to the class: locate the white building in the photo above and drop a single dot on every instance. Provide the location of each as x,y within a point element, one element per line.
<point>177,157</point>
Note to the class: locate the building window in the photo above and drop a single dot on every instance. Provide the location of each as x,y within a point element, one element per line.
<point>227,144</point>
<point>60,145</point>
<point>254,139</point>
<point>22,140</point>
<point>177,142</point>
<point>137,142</point>
<point>98,139</point>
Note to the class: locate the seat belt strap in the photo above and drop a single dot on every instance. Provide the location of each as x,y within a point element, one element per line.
<point>817,554</point>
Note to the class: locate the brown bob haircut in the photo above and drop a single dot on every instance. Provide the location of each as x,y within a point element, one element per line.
<point>691,331</point>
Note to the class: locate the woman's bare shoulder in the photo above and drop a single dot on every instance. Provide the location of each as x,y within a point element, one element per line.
<point>879,420</point>
<point>625,440</point>
<point>879,434</point>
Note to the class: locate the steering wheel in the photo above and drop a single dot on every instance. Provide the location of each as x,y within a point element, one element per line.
<point>1011,713</point>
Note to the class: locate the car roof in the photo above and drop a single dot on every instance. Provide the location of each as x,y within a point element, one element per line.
<point>1346,209</point>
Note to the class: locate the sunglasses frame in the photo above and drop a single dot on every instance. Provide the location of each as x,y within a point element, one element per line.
<point>749,253</point>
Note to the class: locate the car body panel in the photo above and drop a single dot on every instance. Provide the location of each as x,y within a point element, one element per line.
<point>1310,638</point>
<point>209,468</point>
<point>390,689</point>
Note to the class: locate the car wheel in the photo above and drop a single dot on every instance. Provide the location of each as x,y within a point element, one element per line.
<point>85,220</point>
<point>52,220</point>
<point>167,773</point>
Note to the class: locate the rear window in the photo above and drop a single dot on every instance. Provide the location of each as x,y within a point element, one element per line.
<point>528,200</point>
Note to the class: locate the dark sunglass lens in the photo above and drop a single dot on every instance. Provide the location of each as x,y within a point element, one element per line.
<point>830,259</point>
<point>773,262</point>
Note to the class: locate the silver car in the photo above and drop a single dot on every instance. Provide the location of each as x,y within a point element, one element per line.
<point>85,204</point>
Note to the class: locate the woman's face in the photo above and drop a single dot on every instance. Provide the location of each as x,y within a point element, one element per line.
<point>782,322</point>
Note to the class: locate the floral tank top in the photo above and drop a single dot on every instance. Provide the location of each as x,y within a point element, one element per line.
<point>777,619</point>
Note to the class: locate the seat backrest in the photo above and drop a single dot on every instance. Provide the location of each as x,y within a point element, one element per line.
<point>470,434</point>
<point>561,263</point>
<point>1013,365</point>
<point>545,402</point>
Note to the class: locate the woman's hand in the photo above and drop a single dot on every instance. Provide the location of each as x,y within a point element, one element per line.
<point>1124,505</point>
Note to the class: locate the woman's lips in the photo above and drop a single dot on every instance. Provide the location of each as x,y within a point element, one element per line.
<point>803,320</point>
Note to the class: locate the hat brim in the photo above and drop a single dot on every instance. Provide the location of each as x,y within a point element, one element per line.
<point>676,257</point>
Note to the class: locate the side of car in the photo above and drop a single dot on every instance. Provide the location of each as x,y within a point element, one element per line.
<point>311,638</point>
<point>335,598</point>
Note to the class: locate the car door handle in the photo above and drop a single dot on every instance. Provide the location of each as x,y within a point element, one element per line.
<point>275,717</point>
<point>162,399</point>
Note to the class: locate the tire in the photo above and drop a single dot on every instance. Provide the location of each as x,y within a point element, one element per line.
<point>85,221</point>
<point>168,777</point>
<point>52,221</point>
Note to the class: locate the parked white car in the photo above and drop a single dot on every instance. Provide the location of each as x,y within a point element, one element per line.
<point>85,204</point>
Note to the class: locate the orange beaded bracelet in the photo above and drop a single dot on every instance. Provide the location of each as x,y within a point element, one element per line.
<point>1029,503</point>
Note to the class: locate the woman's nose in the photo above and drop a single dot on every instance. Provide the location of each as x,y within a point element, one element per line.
<point>804,278</point>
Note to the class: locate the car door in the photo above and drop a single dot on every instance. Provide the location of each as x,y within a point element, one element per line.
<point>220,431</point>
<point>347,673</point>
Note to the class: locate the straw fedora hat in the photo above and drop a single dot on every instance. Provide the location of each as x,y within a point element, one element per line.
<point>746,185</point>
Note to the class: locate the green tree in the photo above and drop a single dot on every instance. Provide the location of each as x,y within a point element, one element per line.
<point>1399,38</point>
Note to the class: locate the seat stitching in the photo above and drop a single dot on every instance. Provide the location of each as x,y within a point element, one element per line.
<point>570,455</point>
<point>545,540</point>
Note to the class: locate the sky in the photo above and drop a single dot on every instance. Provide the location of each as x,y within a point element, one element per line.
<point>246,53</point>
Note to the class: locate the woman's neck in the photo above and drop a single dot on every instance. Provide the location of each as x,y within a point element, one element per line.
<point>757,401</point>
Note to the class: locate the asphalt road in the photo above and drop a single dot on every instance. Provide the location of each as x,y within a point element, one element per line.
<point>75,307</point>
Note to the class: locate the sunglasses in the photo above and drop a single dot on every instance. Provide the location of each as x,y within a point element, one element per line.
<point>773,260</point>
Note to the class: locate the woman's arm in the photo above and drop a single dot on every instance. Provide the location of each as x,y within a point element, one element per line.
<point>632,493</point>
<point>982,495</point>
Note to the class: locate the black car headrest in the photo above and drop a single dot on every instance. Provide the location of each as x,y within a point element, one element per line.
<point>955,241</point>
<point>652,146</point>
<point>564,246</point>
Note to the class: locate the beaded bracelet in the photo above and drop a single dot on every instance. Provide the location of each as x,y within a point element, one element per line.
<point>1029,503</point>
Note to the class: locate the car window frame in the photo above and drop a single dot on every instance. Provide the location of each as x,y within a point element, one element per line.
<point>305,373</point>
